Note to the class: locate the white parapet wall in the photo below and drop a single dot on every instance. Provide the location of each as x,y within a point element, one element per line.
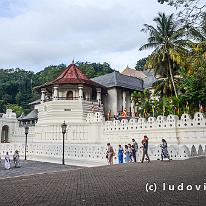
<point>85,142</point>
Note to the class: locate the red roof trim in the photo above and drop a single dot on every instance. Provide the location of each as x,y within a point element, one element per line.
<point>71,73</point>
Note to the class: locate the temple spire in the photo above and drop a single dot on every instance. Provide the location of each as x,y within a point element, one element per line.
<point>73,61</point>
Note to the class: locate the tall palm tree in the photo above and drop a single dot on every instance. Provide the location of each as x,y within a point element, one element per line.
<point>169,45</point>
<point>163,86</point>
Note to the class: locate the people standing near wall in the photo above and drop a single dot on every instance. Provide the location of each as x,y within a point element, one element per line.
<point>110,154</point>
<point>117,116</point>
<point>120,154</point>
<point>93,109</point>
<point>133,154</point>
<point>127,154</point>
<point>16,159</point>
<point>109,115</point>
<point>164,152</point>
<point>145,142</point>
<point>134,143</point>
<point>124,114</point>
<point>7,162</point>
<point>130,152</point>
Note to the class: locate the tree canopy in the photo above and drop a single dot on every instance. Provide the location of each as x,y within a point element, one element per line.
<point>190,11</point>
<point>140,65</point>
<point>179,62</point>
<point>167,40</point>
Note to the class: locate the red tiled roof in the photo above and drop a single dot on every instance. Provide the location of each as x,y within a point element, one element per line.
<point>134,73</point>
<point>71,75</point>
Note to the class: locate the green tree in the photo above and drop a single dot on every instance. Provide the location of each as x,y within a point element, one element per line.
<point>140,64</point>
<point>190,11</point>
<point>143,102</point>
<point>94,69</point>
<point>2,106</point>
<point>167,40</point>
<point>199,35</point>
<point>193,89</point>
<point>15,108</point>
<point>49,73</point>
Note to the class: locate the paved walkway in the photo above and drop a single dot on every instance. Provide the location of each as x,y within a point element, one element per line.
<point>32,168</point>
<point>111,185</point>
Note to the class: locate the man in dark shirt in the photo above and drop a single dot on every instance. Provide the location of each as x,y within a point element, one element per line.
<point>135,149</point>
<point>145,148</point>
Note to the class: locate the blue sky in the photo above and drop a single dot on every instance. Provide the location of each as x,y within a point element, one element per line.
<point>38,33</point>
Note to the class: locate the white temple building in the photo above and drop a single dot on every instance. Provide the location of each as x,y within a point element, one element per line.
<point>83,104</point>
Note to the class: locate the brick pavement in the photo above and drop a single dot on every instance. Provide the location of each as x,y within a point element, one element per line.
<point>109,185</point>
<point>32,167</point>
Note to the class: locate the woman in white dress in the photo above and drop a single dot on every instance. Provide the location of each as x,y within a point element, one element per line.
<point>7,164</point>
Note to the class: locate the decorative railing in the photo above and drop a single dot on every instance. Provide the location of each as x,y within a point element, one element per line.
<point>70,98</point>
<point>161,122</point>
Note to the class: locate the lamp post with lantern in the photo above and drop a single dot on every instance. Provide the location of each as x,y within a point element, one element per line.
<point>26,133</point>
<point>64,127</point>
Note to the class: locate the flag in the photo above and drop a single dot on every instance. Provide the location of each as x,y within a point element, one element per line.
<point>175,109</point>
<point>201,108</point>
<point>163,110</point>
<point>187,107</point>
<point>153,110</point>
<point>144,112</point>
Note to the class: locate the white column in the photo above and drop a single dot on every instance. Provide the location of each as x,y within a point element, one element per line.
<point>80,87</point>
<point>99,95</point>
<point>55,94</point>
<point>42,96</point>
<point>124,100</point>
<point>132,106</point>
<point>86,96</point>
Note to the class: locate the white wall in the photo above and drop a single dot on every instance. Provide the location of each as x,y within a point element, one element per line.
<point>85,142</point>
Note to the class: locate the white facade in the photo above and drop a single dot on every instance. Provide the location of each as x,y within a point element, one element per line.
<point>79,105</point>
<point>117,100</point>
<point>8,124</point>
<point>85,140</point>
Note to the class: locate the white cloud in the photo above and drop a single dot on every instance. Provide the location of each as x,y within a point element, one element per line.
<point>42,32</point>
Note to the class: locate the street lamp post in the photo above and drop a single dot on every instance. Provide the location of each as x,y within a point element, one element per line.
<point>64,127</point>
<point>26,133</point>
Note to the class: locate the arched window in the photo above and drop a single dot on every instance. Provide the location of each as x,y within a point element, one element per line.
<point>5,134</point>
<point>69,95</point>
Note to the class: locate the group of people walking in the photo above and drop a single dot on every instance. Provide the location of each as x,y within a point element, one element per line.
<point>130,151</point>
<point>16,160</point>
